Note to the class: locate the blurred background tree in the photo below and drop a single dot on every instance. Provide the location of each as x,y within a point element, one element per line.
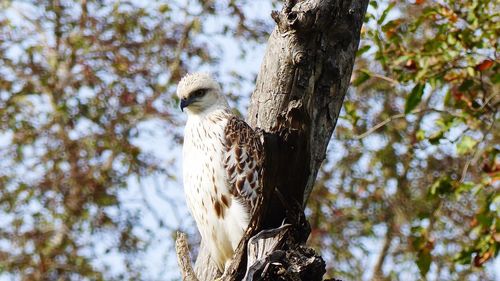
<point>415,161</point>
<point>90,129</point>
<point>90,136</point>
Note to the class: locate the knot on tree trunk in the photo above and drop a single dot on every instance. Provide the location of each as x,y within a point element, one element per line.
<point>280,257</point>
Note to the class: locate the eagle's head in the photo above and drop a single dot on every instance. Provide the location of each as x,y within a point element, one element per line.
<point>199,93</point>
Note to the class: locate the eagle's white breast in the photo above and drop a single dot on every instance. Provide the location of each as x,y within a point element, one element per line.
<point>221,219</point>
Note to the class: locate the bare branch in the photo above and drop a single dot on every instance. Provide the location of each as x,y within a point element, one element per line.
<point>399,116</point>
<point>183,258</point>
<point>385,78</point>
<point>380,125</point>
<point>477,153</point>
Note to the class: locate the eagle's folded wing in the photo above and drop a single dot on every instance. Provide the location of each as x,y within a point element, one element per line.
<point>243,159</point>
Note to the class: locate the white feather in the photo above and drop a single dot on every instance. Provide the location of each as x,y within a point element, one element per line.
<point>205,177</point>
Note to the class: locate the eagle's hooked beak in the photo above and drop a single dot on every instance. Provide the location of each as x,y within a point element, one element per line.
<point>185,103</point>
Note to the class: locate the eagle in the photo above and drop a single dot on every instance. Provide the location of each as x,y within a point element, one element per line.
<point>222,166</point>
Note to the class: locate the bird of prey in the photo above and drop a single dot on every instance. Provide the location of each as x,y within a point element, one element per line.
<point>222,166</point>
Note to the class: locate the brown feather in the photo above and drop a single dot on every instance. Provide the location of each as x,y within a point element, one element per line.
<point>243,157</point>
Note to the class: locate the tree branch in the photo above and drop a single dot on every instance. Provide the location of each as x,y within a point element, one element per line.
<point>182,250</point>
<point>398,116</point>
<point>301,86</point>
<point>298,96</point>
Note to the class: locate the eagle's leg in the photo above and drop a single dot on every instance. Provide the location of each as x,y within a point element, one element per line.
<point>226,267</point>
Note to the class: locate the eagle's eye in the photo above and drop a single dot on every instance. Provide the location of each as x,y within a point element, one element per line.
<point>199,93</point>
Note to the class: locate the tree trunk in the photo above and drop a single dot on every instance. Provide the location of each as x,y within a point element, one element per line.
<point>298,96</point>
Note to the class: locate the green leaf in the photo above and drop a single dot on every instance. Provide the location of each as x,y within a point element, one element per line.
<point>471,71</point>
<point>414,98</point>
<point>496,199</point>
<point>451,40</point>
<point>350,110</point>
<point>420,135</point>
<point>441,186</point>
<point>424,260</point>
<point>386,12</point>
<point>390,25</point>
<point>484,219</point>
<point>466,85</point>
<point>434,139</point>
<point>495,78</point>
<point>448,98</point>
<point>368,16</point>
<point>464,257</point>
<point>464,187</point>
<point>363,76</point>
<point>465,145</point>
<point>363,50</point>
<point>107,200</point>
<point>402,59</point>
<point>164,8</point>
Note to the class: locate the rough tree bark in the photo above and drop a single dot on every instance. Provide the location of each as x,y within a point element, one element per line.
<point>298,96</point>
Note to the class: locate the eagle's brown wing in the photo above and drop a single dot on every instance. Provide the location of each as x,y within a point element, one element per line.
<point>243,160</point>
